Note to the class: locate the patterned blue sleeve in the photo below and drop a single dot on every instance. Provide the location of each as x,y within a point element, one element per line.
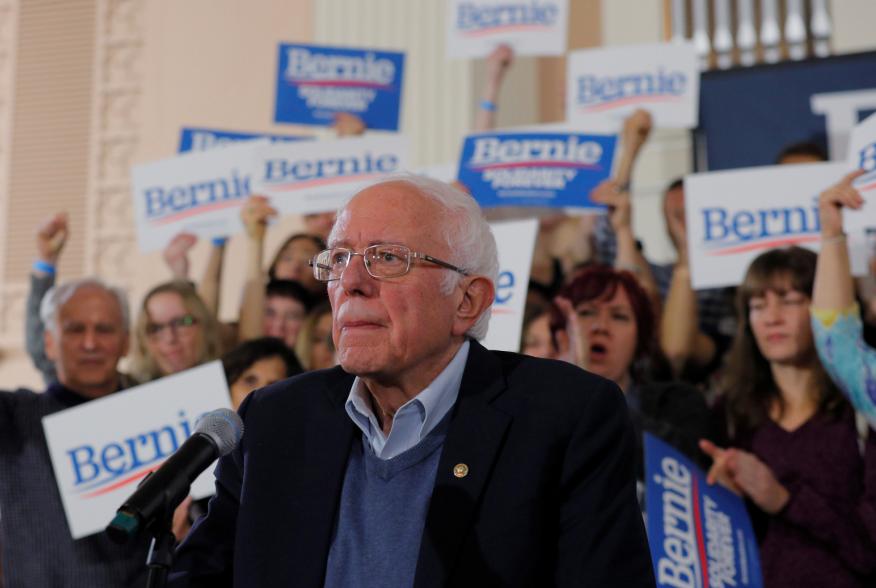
<point>849,361</point>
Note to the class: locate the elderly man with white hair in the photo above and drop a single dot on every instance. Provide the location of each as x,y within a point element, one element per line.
<point>423,459</point>
<point>86,334</point>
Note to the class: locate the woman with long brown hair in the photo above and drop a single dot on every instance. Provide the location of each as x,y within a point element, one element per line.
<point>795,454</point>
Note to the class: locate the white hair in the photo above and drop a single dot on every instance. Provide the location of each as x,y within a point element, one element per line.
<point>57,296</point>
<point>466,231</point>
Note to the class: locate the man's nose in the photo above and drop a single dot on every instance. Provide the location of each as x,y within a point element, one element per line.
<point>355,277</point>
<point>89,339</point>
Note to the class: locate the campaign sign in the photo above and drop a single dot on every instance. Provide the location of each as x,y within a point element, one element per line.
<point>860,225</point>
<point>314,83</point>
<point>700,535</point>
<point>535,169</point>
<point>202,139</point>
<point>320,176</point>
<point>196,192</point>
<point>102,449</point>
<point>734,216</point>
<point>530,27</point>
<point>662,78</point>
<point>515,241</point>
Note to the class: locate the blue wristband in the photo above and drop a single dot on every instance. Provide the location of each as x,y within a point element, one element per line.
<point>44,267</point>
<point>488,106</point>
<point>219,241</point>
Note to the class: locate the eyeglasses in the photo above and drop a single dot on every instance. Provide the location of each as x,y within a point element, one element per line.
<point>381,261</point>
<point>154,330</point>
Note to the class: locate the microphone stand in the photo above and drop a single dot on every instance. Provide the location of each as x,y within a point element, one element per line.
<point>160,557</point>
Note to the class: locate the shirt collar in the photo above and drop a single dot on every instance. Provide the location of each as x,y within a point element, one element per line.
<point>431,404</point>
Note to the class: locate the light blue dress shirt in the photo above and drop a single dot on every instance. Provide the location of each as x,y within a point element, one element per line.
<point>416,418</point>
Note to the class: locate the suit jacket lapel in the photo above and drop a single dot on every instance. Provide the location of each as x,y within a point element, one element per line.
<point>318,483</point>
<point>476,433</point>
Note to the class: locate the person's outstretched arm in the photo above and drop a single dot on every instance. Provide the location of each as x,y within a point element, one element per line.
<point>498,63</point>
<point>836,319</point>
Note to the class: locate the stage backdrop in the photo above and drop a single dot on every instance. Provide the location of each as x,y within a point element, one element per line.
<point>747,115</point>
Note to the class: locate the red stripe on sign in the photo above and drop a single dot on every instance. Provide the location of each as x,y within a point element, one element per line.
<point>867,187</point>
<point>321,182</point>
<point>196,211</point>
<point>508,28</point>
<point>698,523</point>
<point>767,245</point>
<point>569,164</point>
<point>630,100</point>
<point>121,483</point>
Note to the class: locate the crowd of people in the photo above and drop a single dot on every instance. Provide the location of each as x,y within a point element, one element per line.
<point>770,385</point>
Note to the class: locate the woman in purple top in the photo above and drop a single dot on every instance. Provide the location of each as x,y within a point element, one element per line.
<point>795,453</point>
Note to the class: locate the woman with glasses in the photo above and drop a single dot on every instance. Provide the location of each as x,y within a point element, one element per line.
<point>174,331</point>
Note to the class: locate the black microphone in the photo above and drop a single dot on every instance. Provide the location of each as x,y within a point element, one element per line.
<point>216,433</point>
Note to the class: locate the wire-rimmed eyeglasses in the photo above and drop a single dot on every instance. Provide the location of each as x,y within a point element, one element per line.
<point>383,260</point>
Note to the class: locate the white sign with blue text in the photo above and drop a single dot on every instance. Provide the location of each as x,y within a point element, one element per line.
<point>734,216</point>
<point>204,139</point>
<point>196,192</point>
<point>536,168</point>
<point>320,176</point>
<point>860,225</point>
<point>530,27</point>
<point>700,535</point>
<point>315,83</point>
<point>515,241</point>
<point>102,449</point>
<point>612,82</point>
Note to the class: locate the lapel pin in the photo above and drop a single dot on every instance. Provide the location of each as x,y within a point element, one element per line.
<point>460,470</point>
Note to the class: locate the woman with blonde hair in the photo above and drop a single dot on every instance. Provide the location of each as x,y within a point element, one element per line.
<point>174,331</point>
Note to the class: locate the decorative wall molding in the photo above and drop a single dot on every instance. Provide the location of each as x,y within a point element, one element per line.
<point>11,297</point>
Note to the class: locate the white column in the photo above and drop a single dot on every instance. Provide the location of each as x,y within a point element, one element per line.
<point>701,31</point>
<point>746,35</point>
<point>723,38</point>
<point>795,29</point>
<point>820,25</point>
<point>770,34</point>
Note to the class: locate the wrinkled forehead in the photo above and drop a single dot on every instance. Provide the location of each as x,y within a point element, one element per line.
<point>91,302</point>
<point>393,212</point>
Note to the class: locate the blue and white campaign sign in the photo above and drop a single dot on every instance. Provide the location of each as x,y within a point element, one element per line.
<point>612,82</point>
<point>536,169</point>
<point>734,216</point>
<point>196,192</point>
<point>530,27</point>
<point>203,139</point>
<point>314,83</point>
<point>700,535</point>
<point>515,241</point>
<point>102,449</point>
<point>320,176</point>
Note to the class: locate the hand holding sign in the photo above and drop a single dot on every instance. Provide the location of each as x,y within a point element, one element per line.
<point>176,254</point>
<point>832,200</point>
<point>255,215</point>
<point>620,209</point>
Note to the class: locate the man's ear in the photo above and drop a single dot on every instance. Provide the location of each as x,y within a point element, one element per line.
<point>477,296</point>
<point>50,344</point>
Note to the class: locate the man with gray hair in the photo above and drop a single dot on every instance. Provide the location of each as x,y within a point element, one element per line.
<point>86,334</point>
<point>423,459</point>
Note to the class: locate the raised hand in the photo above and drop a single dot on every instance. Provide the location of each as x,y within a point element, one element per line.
<point>51,237</point>
<point>176,254</point>
<point>620,208</point>
<point>498,62</point>
<point>832,200</point>
<point>574,347</point>
<point>348,125</point>
<point>637,127</point>
<point>255,214</point>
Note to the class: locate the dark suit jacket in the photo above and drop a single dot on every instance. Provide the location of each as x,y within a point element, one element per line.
<point>549,498</point>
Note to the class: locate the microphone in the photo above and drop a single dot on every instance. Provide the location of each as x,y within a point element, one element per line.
<point>216,433</point>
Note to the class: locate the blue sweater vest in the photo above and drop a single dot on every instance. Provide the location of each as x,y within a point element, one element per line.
<point>382,515</point>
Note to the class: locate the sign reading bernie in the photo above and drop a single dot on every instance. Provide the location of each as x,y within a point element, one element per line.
<point>535,169</point>
<point>203,139</point>
<point>612,82</point>
<point>700,535</point>
<point>530,27</point>
<point>315,83</point>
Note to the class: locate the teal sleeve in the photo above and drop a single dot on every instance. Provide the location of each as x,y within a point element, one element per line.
<point>849,361</point>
